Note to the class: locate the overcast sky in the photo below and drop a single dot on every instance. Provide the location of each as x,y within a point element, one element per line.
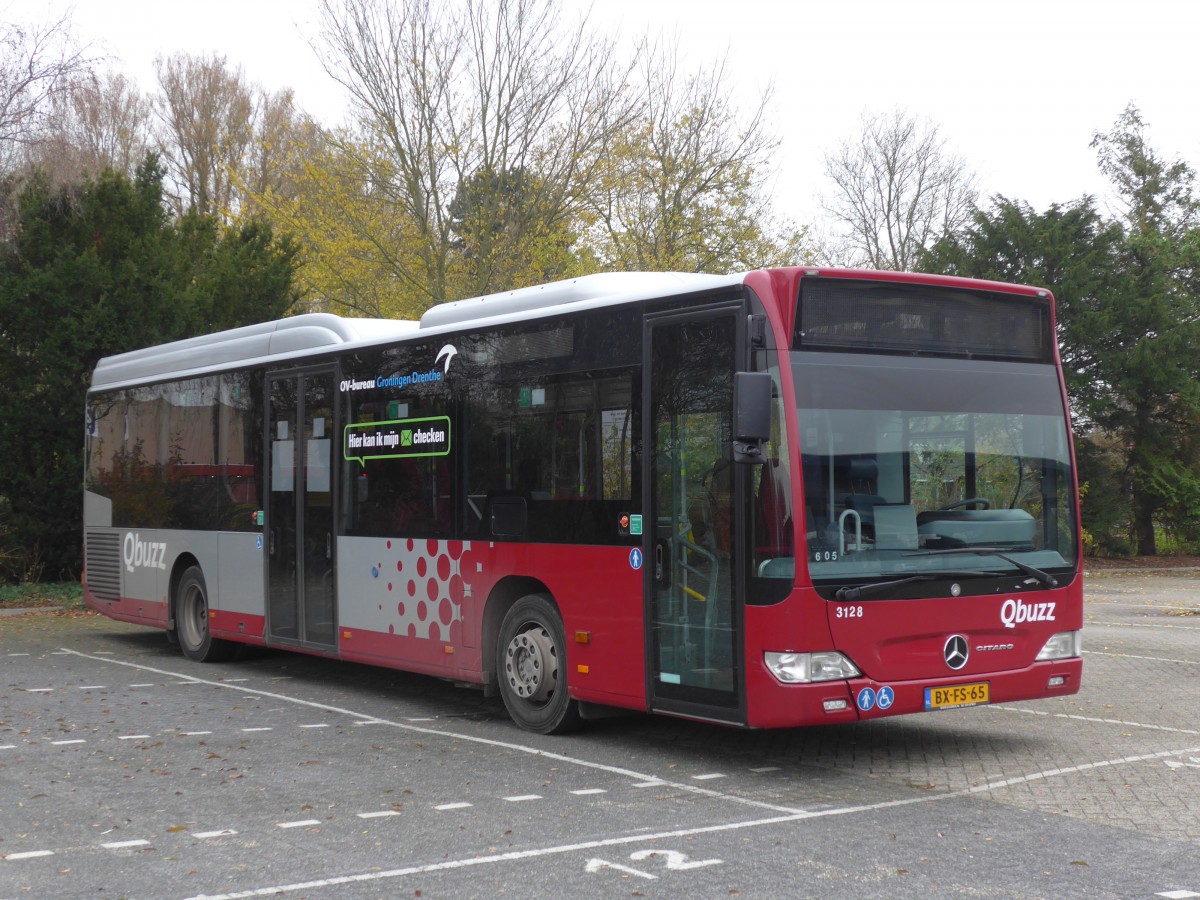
<point>1016,87</point>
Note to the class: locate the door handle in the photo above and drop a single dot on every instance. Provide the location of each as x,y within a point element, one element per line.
<point>662,562</point>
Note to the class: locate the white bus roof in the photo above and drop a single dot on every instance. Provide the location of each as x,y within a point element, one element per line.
<point>304,335</point>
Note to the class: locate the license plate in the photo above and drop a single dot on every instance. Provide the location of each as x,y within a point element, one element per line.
<point>955,695</point>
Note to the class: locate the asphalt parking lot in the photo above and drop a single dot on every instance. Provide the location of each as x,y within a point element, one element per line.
<point>127,771</point>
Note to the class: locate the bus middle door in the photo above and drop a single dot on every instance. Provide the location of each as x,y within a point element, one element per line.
<point>301,607</point>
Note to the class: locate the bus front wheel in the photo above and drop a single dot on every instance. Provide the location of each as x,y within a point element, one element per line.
<point>532,660</point>
<point>191,621</point>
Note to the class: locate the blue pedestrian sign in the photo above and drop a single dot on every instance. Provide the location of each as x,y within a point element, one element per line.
<point>866,699</point>
<point>635,558</point>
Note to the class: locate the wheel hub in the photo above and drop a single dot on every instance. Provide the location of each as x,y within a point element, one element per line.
<point>531,665</point>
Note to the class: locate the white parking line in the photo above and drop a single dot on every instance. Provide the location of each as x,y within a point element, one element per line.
<point>642,778</point>
<point>132,737</point>
<point>1190,662</point>
<point>760,769</point>
<point>588,791</point>
<point>194,733</point>
<point>624,840</point>
<point>448,865</point>
<point>65,743</point>
<point>524,798</point>
<point>1094,719</point>
<point>257,729</point>
<point>124,845</point>
<point>1170,625</point>
<point>303,823</point>
<point>712,776</point>
<point>224,832</point>
<point>791,815</point>
<point>29,854</point>
<point>321,725</point>
<point>448,806</point>
<point>378,814</point>
<point>92,687</point>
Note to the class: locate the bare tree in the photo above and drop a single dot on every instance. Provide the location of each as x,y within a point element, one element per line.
<point>463,95</point>
<point>207,111</point>
<point>37,64</point>
<point>103,121</point>
<point>685,188</point>
<point>898,190</point>
<point>273,164</point>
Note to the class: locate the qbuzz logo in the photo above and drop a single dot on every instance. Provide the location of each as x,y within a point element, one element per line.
<point>139,554</point>
<point>1016,611</point>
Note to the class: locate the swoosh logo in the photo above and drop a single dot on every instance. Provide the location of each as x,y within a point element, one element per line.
<point>448,352</point>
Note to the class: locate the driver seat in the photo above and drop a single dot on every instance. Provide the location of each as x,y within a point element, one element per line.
<point>864,478</point>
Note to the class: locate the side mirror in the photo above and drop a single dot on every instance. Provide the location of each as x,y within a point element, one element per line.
<point>751,415</point>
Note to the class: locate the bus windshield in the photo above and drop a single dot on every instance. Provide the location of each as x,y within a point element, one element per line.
<point>911,463</point>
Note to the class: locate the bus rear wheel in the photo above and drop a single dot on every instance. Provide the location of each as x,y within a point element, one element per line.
<point>191,621</point>
<point>531,650</point>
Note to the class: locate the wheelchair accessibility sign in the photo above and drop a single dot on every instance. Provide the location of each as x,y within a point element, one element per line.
<point>869,698</point>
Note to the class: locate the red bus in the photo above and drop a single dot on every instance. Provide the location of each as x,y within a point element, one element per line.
<point>773,499</point>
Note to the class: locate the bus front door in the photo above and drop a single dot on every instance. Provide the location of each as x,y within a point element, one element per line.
<point>299,515</point>
<point>692,614</point>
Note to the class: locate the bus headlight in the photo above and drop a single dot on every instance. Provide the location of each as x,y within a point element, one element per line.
<point>805,668</point>
<point>1063,645</point>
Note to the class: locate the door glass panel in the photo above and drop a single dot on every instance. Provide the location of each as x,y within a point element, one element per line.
<point>300,510</point>
<point>694,551</point>
<point>282,511</point>
<point>318,510</point>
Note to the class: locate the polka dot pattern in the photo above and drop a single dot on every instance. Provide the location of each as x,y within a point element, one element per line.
<point>425,598</point>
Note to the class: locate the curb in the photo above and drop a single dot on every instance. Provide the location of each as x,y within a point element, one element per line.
<point>1141,570</point>
<point>26,610</point>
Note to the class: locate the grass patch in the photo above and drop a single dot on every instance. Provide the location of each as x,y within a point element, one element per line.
<point>67,594</point>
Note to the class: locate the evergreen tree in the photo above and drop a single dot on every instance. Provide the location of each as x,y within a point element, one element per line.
<point>1128,296</point>
<point>1149,386</point>
<point>96,269</point>
<point>1074,251</point>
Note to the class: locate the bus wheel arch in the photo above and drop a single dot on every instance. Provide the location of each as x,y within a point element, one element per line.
<point>531,666</point>
<point>189,614</point>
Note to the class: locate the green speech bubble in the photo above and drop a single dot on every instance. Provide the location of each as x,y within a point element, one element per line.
<point>396,439</point>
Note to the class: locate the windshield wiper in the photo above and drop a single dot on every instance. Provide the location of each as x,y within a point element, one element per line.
<point>864,590</point>
<point>1043,578</point>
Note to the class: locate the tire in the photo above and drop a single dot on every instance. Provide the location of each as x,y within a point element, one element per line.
<point>191,621</point>
<point>531,656</point>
